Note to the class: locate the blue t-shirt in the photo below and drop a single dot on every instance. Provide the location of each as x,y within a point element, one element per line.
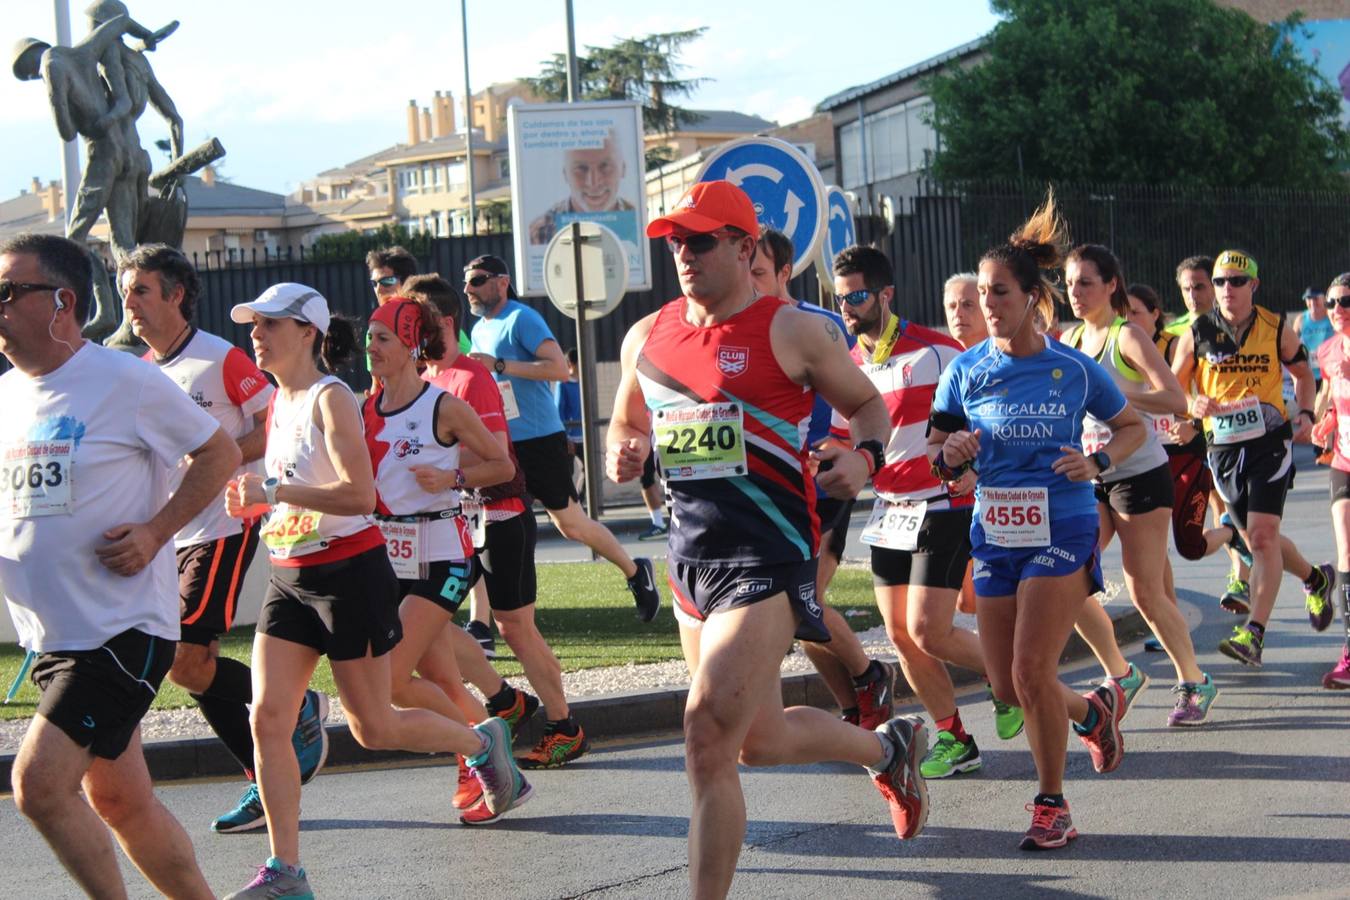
<point>1312,334</point>
<point>516,333</point>
<point>821,413</point>
<point>567,397</point>
<point>1026,409</point>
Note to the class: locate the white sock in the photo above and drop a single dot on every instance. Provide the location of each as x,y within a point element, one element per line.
<point>887,755</point>
<point>658,517</point>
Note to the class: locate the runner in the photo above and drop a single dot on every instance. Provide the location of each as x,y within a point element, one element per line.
<point>332,590</point>
<point>730,378</point>
<point>87,571</point>
<point>1134,497</point>
<point>1012,408</point>
<point>1333,357</point>
<point>864,688</point>
<point>1234,354</point>
<point>918,534</point>
<point>506,539</point>
<point>160,290</point>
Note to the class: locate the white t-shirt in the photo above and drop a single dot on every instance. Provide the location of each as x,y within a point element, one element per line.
<point>222,380</point>
<point>100,436</point>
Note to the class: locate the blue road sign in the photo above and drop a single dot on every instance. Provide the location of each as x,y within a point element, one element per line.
<point>839,233</point>
<point>784,185</point>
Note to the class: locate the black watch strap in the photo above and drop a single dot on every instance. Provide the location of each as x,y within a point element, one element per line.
<point>1100,460</point>
<point>874,449</point>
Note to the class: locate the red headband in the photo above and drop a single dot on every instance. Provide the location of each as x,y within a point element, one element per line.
<point>403,317</point>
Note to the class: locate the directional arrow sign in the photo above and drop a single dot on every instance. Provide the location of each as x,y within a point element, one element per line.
<point>784,185</point>
<point>839,233</point>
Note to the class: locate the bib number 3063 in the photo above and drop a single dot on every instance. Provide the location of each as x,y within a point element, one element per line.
<point>1016,517</point>
<point>895,525</point>
<point>35,479</point>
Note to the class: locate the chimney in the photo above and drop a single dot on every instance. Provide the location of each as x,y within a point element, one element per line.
<point>413,137</point>
<point>209,176</point>
<point>35,185</point>
<point>440,112</point>
<point>51,201</point>
<point>426,124</point>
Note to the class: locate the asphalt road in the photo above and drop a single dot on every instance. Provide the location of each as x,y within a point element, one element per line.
<point>1255,804</point>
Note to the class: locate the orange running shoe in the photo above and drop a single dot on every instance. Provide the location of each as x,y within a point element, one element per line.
<point>469,790</point>
<point>901,783</point>
<point>555,750</point>
<point>875,701</point>
<point>479,814</point>
<point>1051,827</point>
<point>523,706</point>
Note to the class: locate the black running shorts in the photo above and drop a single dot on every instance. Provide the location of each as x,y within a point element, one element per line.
<point>447,583</point>
<point>701,591</point>
<point>1140,493</point>
<point>834,518</point>
<point>341,609</point>
<point>210,575</point>
<point>1253,476</point>
<point>506,562</point>
<point>942,551</point>
<point>548,469</point>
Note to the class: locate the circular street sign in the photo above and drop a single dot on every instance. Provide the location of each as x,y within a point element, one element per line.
<point>840,232</point>
<point>604,270</point>
<point>784,185</point>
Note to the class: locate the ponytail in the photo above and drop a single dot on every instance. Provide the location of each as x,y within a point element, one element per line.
<point>1034,250</point>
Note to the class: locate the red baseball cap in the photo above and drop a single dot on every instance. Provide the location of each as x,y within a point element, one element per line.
<point>708,206</point>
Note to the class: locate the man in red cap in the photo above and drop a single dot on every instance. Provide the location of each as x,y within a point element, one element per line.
<point>724,380</point>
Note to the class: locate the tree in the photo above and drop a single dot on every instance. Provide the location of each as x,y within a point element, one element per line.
<point>1149,91</point>
<point>643,69</point>
<point>354,245</point>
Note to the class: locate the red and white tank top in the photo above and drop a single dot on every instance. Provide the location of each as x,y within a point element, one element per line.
<point>400,439</point>
<point>1330,355</point>
<point>297,454</point>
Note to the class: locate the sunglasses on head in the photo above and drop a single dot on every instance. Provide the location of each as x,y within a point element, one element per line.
<point>698,244</point>
<point>856,298</point>
<point>1342,301</point>
<point>479,280</point>
<point>1235,280</point>
<point>10,290</point>
<point>386,281</point>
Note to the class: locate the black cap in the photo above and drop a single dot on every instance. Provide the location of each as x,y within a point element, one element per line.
<point>493,265</point>
<point>1309,293</point>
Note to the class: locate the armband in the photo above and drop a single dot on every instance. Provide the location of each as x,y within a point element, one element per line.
<point>1300,356</point>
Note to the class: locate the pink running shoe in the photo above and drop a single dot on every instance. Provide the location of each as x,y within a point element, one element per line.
<point>1338,679</point>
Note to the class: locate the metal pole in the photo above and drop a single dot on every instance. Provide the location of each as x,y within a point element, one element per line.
<point>585,375</point>
<point>70,151</point>
<point>573,75</point>
<point>468,121</point>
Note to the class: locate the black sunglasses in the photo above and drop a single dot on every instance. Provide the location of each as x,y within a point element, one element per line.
<point>856,298</point>
<point>1234,280</point>
<point>479,280</point>
<point>698,244</point>
<point>386,281</point>
<point>10,290</point>
<point>1342,301</point>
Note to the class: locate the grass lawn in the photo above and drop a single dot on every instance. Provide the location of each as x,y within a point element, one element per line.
<point>584,610</point>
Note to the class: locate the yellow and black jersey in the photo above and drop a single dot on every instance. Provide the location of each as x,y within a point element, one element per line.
<point>1229,367</point>
<point>1165,343</point>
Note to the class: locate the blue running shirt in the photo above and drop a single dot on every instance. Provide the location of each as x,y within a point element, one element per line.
<point>1026,409</point>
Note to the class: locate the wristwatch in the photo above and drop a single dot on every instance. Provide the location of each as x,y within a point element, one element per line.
<point>270,490</point>
<point>874,451</point>
<point>499,366</point>
<point>1100,460</point>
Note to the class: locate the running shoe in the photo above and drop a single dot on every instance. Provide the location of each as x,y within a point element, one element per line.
<point>654,533</point>
<point>1008,720</point>
<point>1338,679</point>
<point>482,633</point>
<point>246,816</point>
<point>902,783</point>
<point>481,815</point>
<point>876,700</point>
<point>1318,601</point>
<point>309,739</point>
<point>1193,702</point>
<point>1153,645</point>
<point>523,707</point>
<point>555,749</point>
<point>468,789</point>
<point>275,880</point>
<point>950,756</point>
<point>1132,684</point>
<point>643,587</point>
<point>849,715</point>
<point>1104,741</point>
<point>1244,646</point>
<point>496,768</point>
<point>1237,599</point>
<point>1236,542</point>
<point>1051,827</point>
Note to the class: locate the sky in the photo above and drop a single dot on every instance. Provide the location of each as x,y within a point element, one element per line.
<point>295,87</point>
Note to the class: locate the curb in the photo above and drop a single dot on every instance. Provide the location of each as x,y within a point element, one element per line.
<point>608,716</point>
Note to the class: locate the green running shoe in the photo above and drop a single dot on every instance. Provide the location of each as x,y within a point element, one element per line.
<point>950,756</point>
<point>1008,720</point>
<point>1132,684</point>
<point>1319,607</point>
<point>1237,598</point>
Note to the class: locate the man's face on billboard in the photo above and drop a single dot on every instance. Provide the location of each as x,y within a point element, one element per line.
<point>593,176</point>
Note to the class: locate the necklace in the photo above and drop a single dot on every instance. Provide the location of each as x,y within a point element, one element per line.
<point>173,345</point>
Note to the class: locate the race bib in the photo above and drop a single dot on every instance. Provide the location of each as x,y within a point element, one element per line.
<point>1095,436</point>
<point>509,406</point>
<point>1016,517</point>
<point>405,542</point>
<point>1237,421</point>
<point>292,531</point>
<point>1162,425</point>
<point>704,441</point>
<point>476,517</point>
<point>895,524</point>
<point>35,478</point>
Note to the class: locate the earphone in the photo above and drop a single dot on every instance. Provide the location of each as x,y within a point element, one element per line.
<point>60,305</point>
